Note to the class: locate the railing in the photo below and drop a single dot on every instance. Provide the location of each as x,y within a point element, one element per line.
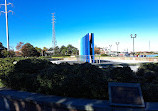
<point>88,58</point>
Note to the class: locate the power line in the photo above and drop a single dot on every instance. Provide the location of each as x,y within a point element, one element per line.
<point>6,14</point>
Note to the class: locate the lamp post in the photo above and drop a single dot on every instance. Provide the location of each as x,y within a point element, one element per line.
<point>117,43</point>
<point>110,47</point>
<point>133,41</point>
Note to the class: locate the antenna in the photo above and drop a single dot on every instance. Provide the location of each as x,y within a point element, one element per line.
<point>6,14</point>
<point>53,32</point>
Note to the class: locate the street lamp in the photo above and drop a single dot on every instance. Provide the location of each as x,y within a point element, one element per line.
<point>110,47</point>
<point>117,43</point>
<point>133,42</point>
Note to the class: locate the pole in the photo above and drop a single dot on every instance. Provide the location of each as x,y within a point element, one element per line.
<point>110,47</point>
<point>133,42</point>
<point>149,45</point>
<point>133,45</point>
<point>7,32</point>
<point>117,43</point>
<point>6,14</point>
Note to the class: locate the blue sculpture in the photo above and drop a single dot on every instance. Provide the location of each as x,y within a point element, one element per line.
<point>87,48</point>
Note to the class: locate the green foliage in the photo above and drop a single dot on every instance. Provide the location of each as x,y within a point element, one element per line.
<point>38,75</point>
<point>104,55</point>
<point>122,74</point>
<point>63,50</point>
<point>148,73</point>
<point>9,53</point>
<point>38,49</point>
<point>7,66</point>
<point>1,48</point>
<point>29,51</point>
<point>149,91</point>
<point>56,50</point>
<point>148,77</point>
<point>78,80</point>
<point>7,63</point>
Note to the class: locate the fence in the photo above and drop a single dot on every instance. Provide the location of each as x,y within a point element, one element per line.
<point>88,58</point>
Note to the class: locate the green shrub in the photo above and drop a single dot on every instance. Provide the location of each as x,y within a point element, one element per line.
<point>149,91</point>
<point>148,77</point>
<point>7,66</point>
<point>104,55</point>
<point>122,74</point>
<point>78,80</point>
<point>23,74</point>
<point>31,65</point>
<point>148,73</point>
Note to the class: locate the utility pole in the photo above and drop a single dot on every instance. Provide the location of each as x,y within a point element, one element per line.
<point>117,43</point>
<point>133,41</point>
<point>6,14</point>
<point>53,32</point>
<point>110,47</point>
<point>149,45</point>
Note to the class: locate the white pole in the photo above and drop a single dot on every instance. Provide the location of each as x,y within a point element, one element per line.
<point>7,32</point>
<point>149,45</point>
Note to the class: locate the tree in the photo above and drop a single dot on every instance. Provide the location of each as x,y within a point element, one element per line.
<point>38,49</point>
<point>69,49</point>
<point>19,45</point>
<point>63,50</point>
<point>18,49</point>
<point>29,51</point>
<point>45,48</point>
<point>9,53</point>
<point>72,50</point>
<point>96,50</point>
<point>2,48</point>
<point>56,51</point>
<point>75,51</point>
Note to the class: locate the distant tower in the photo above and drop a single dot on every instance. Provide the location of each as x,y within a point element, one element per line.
<point>53,31</point>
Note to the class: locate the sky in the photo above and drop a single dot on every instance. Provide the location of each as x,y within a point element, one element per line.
<point>111,21</point>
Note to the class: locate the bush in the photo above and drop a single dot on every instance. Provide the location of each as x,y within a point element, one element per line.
<point>23,74</point>
<point>148,73</point>
<point>78,80</point>
<point>104,55</point>
<point>7,66</point>
<point>9,53</point>
<point>122,74</point>
<point>31,65</point>
<point>148,77</point>
<point>149,91</point>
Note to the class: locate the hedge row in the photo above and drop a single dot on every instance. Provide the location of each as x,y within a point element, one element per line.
<point>78,80</point>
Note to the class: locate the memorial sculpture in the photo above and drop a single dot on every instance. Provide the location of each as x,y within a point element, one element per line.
<point>87,48</point>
